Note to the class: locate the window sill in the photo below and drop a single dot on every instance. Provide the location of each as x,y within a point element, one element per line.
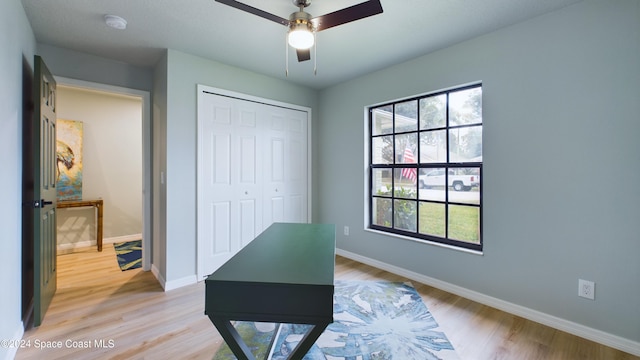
<point>427,242</point>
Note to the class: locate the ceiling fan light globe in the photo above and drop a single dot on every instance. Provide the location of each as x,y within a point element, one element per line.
<point>301,39</point>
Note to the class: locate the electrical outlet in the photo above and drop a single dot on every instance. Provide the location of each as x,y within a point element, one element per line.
<point>346,231</point>
<point>587,289</point>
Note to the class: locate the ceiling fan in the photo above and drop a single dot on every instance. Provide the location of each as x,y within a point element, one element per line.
<point>302,26</point>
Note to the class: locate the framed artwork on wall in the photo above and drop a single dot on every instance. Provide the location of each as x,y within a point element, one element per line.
<point>69,160</point>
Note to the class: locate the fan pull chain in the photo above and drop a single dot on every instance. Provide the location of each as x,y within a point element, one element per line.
<point>286,57</point>
<point>315,54</point>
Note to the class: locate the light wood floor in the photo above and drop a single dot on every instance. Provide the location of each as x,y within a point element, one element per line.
<point>135,319</point>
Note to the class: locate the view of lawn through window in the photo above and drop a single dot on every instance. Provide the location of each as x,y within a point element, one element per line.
<point>425,167</point>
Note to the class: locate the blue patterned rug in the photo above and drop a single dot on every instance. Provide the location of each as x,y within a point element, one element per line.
<point>373,320</point>
<point>129,254</point>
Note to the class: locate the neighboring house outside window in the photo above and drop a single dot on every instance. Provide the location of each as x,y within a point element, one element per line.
<point>425,167</point>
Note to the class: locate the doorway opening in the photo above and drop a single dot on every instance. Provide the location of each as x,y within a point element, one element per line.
<point>119,175</point>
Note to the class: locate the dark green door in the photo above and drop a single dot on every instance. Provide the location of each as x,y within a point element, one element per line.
<point>44,185</point>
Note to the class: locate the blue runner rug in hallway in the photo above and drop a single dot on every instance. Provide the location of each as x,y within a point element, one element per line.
<point>129,254</point>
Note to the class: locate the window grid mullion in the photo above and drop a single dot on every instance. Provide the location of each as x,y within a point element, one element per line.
<point>446,171</point>
<point>417,166</point>
<point>393,169</point>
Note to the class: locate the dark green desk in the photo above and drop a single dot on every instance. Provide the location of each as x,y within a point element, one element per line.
<point>285,275</point>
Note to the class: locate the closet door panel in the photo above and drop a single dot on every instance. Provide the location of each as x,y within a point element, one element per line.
<point>219,222</point>
<point>248,221</point>
<point>247,164</point>
<point>220,152</point>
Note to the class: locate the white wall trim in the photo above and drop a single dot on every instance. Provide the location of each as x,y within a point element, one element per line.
<point>76,245</point>
<point>173,284</point>
<point>123,238</point>
<point>157,274</point>
<point>178,283</point>
<point>17,336</point>
<point>90,243</point>
<point>586,332</point>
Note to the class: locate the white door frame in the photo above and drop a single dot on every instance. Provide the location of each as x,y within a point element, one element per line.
<point>146,153</point>
<point>217,91</point>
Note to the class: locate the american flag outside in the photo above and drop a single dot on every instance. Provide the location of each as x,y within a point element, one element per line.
<point>408,158</point>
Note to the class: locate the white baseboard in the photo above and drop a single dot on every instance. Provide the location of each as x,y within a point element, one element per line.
<point>156,273</point>
<point>89,243</point>
<point>601,337</point>
<point>178,283</point>
<point>76,245</point>
<point>173,284</point>
<point>17,336</point>
<point>123,238</point>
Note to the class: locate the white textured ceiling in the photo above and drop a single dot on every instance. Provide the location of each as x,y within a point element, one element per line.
<point>406,29</point>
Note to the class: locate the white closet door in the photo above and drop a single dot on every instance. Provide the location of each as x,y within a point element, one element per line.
<point>296,204</point>
<point>252,171</point>
<point>285,170</point>
<point>229,197</point>
<point>274,166</point>
<point>249,164</point>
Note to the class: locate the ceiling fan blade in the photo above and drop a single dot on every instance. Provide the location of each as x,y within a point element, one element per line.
<point>303,55</point>
<point>255,11</point>
<point>352,13</point>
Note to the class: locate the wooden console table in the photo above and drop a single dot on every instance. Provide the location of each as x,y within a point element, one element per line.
<point>97,204</point>
<point>285,275</point>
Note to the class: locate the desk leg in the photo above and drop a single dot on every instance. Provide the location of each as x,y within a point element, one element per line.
<point>232,338</point>
<point>99,231</point>
<point>307,342</point>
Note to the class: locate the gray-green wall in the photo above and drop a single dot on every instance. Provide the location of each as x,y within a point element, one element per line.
<point>82,66</point>
<point>17,44</point>
<point>561,105</point>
